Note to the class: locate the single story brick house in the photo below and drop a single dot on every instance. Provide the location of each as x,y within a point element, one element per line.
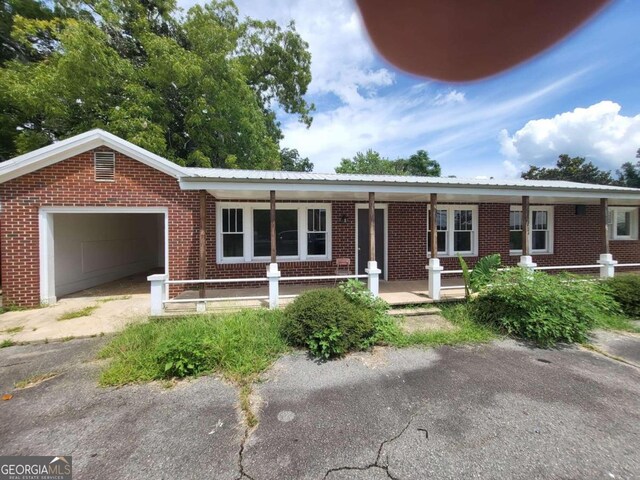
<point>94,208</point>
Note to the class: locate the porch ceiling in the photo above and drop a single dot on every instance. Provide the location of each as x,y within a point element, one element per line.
<point>299,195</point>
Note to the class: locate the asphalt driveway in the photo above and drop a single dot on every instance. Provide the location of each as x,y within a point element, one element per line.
<point>494,411</point>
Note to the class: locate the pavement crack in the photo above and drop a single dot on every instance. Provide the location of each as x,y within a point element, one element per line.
<point>377,464</point>
<point>243,474</point>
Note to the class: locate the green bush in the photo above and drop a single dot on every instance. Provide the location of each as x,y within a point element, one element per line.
<point>543,308</point>
<point>328,323</point>
<point>625,289</point>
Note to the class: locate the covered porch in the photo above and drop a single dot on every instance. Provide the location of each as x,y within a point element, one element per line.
<point>268,218</point>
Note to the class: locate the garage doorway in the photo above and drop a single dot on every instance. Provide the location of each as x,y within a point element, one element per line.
<point>82,248</point>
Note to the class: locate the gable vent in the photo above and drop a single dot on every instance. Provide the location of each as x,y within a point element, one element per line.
<point>105,166</point>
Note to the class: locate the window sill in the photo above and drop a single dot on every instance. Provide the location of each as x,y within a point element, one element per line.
<point>455,255</point>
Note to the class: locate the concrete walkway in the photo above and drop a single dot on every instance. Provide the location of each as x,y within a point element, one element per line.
<point>116,304</point>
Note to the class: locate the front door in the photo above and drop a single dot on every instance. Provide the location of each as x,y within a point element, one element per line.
<point>363,240</point>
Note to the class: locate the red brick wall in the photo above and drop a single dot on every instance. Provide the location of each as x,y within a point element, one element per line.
<point>71,183</point>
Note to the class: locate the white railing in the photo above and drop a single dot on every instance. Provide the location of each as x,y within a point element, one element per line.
<point>606,264</point>
<point>160,288</point>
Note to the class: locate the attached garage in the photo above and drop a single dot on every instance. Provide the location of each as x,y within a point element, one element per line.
<point>83,247</point>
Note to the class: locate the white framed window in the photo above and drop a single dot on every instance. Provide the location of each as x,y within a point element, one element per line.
<point>623,223</point>
<point>303,232</point>
<point>457,230</point>
<point>540,235</point>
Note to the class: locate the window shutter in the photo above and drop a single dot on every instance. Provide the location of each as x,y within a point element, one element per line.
<point>105,166</point>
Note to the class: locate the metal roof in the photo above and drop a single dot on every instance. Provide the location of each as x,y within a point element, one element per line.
<point>208,174</point>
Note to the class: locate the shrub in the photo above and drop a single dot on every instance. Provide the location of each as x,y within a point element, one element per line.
<point>625,289</point>
<point>544,308</point>
<point>327,322</point>
<point>482,274</point>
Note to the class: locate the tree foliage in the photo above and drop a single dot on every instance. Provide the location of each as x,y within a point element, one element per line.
<point>293,162</point>
<point>371,162</point>
<point>629,175</point>
<point>572,169</point>
<point>199,88</point>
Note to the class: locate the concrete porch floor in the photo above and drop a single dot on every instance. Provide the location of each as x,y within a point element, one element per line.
<point>396,293</point>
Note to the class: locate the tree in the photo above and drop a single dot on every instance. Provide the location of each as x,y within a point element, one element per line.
<point>200,89</point>
<point>371,162</point>
<point>629,175</point>
<point>572,169</point>
<point>419,164</point>
<point>292,162</point>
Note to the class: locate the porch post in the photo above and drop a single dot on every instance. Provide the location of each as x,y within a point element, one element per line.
<point>607,265</point>
<point>525,225</point>
<point>157,292</point>
<point>273,275</point>
<point>434,268</point>
<point>202,270</point>
<point>604,224</point>
<point>372,266</point>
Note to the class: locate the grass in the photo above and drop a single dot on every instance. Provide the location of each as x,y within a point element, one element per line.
<point>467,330</point>
<point>83,312</point>
<point>13,330</point>
<point>113,299</point>
<point>34,380</point>
<point>7,343</point>
<point>239,346</point>
<point>616,322</point>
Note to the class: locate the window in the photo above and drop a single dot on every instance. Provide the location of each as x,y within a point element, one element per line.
<point>232,233</point>
<point>316,232</point>
<point>540,233</point>
<point>623,223</point>
<point>244,232</point>
<point>456,227</point>
<point>286,233</point>
<point>104,166</point>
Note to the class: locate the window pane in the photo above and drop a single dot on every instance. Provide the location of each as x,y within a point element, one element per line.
<point>515,240</point>
<point>231,220</point>
<point>232,245</point>
<point>462,241</point>
<point>442,242</point>
<point>463,220</point>
<point>623,228</point>
<point>316,220</point>
<point>316,243</point>
<point>539,220</point>
<point>441,219</point>
<point>515,221</point>
<point>539,240</point>
<point>286,233</point>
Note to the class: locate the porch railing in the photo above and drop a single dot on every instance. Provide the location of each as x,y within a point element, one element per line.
<point>160,283</point>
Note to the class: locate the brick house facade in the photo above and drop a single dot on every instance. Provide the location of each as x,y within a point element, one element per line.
<point>71,182</point>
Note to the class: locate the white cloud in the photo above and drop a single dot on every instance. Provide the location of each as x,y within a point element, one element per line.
<point>599,133</point>
<point>450,97</point>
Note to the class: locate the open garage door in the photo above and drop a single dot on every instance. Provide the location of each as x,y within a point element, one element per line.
<point>84,249</point>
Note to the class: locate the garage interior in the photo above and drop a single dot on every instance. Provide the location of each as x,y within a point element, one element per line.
<point>92,249</point>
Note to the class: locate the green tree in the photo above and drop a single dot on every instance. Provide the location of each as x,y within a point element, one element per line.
<point>293,162</point>
<point>629,175</point>
<point>200,89</point>
<point>419,164</point>
<point>572,169</point>
<point>371,162</point>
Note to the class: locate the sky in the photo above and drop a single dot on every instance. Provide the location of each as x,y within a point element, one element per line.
<point>581,98</point>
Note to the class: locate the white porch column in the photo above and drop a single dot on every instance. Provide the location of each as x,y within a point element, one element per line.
<point>607,265</point>
<point>274,288</point>
<point>526,262</point>
<point>158,288</point>
<point>374,277</point>
<point>435,278</point>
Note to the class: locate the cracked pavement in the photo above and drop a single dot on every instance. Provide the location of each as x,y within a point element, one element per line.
<point>493,411</point>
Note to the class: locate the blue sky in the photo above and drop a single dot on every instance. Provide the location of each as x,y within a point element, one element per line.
<point>580,98</point>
